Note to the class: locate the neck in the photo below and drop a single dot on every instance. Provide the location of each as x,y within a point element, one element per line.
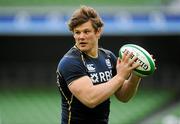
<point>91,53</point>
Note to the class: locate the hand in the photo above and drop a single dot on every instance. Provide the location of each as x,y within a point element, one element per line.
<point>126,65</point>
<point>154,61</point>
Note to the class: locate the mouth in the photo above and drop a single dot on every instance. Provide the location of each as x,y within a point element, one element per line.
<point>82,43</point>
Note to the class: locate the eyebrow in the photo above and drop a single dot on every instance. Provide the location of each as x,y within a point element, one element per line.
<point>82,29</point>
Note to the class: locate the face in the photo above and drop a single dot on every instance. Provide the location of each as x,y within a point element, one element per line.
<point>86,37</point>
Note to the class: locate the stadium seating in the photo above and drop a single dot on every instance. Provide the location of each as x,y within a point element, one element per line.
<point>79,2</point>
<point>140,17</point>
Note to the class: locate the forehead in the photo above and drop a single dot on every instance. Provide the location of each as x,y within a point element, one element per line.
<point>84,26</point>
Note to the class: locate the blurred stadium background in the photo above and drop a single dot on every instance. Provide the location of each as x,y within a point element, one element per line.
<point>34,36</point>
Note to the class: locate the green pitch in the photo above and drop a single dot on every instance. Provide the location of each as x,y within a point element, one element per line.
<point>170,115</point>
<point>42,106</point>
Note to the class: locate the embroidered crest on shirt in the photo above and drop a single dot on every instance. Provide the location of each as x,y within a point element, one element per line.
<point>108,63</point>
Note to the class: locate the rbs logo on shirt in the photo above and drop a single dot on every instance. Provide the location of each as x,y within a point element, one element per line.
<point>100,77</point>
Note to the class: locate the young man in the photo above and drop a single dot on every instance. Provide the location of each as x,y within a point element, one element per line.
<point>88,75</point>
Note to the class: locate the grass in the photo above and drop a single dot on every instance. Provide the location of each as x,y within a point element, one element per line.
<point>29,107</point>
<point>42,106</point>
<point>166,116</point>
<point>144,103</point>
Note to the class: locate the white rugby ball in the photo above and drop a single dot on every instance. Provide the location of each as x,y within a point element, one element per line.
<point>147,65</point>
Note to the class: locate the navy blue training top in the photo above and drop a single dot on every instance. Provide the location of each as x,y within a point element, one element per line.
<point>74,65</point>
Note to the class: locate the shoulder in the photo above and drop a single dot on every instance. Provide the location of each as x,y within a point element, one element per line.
<point>72,57</point>
<point>72,54</point>
<point>108,53</point>
<point>71,66</point>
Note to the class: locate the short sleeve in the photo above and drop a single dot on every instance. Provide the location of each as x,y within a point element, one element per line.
<point>71,69</point>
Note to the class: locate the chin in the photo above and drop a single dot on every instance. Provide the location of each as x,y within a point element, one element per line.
<point>83,49</point>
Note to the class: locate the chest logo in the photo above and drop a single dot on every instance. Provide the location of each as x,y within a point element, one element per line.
<point>91,68</point>
<point>108,63</point>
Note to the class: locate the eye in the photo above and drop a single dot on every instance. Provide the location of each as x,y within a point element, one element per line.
<point>76,32</point>
<point>86,31</point>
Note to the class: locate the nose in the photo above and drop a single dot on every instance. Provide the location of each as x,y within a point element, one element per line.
<point>81,35</point>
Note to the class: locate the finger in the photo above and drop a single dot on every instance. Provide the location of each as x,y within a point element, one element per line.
<point>153,57</point>
<point>124,55</point>
<point>135,65</point>
<point>118,61</point>
<point>154,60</point>
<point>133,60</point>
<point>128,56</point>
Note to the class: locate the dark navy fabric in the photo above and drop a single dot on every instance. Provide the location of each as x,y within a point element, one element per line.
<point>100,70</point>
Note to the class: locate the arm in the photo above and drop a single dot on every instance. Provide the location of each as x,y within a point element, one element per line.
<point>128,89</point>
<point>92,95</point>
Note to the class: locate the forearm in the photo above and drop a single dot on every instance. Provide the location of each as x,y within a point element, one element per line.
<point>103,91</point>
<point>128,89</point>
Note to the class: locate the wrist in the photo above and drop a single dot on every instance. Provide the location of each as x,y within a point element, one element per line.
<point>134,75</point>
<point>120,78</point>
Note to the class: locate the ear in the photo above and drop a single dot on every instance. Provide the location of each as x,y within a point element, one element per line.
<point>99,32</point>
